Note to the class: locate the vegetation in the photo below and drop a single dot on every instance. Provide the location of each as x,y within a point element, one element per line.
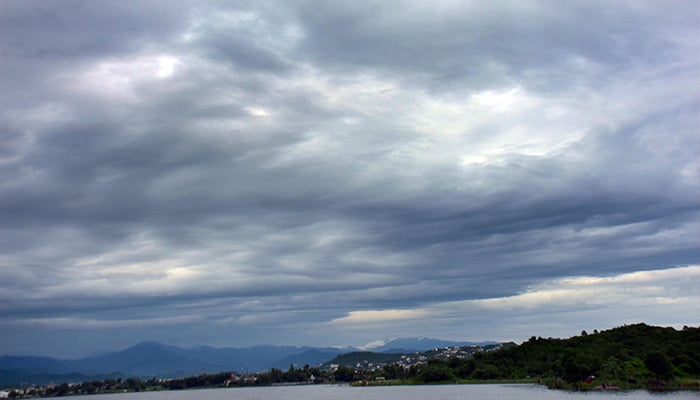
<point>631,356</point>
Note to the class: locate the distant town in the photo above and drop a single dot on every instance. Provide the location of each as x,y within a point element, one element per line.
<point>628,357</point>
<point>374,362</point>
<point>359,367</point>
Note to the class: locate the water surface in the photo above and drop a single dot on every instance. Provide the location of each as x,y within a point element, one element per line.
<point>432,392</point>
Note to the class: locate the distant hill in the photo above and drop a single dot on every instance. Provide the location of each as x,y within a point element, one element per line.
<point>149,359</point>
<point>414,345</point>
<point>626,357</point>
<point>630,356</point>
<point>146,358</point>
<point>16,377</point>
<point>312,357</point>
<point>46,365</point>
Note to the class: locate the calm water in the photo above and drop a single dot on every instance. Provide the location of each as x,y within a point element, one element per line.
<point>446,392</point>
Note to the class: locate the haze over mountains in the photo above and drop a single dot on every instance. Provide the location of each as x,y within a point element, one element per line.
<point>157,359</point>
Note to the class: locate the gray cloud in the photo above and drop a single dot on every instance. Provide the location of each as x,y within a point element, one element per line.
<point>541,45</point>
<point>258,172</point>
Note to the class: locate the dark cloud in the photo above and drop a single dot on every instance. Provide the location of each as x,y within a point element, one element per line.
<point>541,45</point>
<point>309,168</point>
<point>76,29</point>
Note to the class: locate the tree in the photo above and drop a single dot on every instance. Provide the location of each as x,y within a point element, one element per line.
<point>62,389</point>
<point>436,372</point>
<point>393,371</point>
<point>487,372</point>
<point>344,374</point>
<point>276,375</point>
<point>658,364</point>
<point>577,365</point>
<point>612,369</point>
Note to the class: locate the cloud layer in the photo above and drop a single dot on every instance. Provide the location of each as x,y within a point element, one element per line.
<point>282,173</point>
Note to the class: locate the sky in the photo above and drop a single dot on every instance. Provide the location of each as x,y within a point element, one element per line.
<point>333,173</point>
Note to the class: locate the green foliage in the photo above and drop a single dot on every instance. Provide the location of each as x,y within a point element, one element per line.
<point>578,365</point>
<point>393,371</point>
<point>631,356</point>
<point>658,364</point>
<point>487,372</point>
<point>612,370</point>
<point>628,356</point>
<point>461,367</point>
<point>344,374</point>
<point>635,372</point>
<point>436,372</point>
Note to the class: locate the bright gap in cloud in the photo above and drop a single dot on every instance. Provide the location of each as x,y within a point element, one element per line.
<point>635,289</point>
<point>166,66</point>
<point>257,111</point>
<point>498,100</point>
<point>120,77</point>
<point>380,315</point>
<point>654,293</point>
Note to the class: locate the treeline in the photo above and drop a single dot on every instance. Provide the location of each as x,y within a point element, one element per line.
<point>88,387</point>
<point>630,356</point>
<point>304,375</point>
<point>293,375</point>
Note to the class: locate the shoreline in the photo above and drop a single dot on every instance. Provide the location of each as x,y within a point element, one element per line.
<point>693,386</point>
<point>681,387</point>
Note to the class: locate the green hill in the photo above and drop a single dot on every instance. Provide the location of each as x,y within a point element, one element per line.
<point>629,356</point>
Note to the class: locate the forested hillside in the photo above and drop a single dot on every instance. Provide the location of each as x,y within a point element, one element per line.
<point>629,356</point>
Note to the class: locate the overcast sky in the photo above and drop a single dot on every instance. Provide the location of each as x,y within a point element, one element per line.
<point>337,173</point>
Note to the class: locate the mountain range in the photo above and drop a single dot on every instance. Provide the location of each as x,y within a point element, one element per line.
<point>147,359</point>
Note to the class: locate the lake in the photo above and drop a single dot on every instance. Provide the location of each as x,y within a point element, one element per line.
<point>432,392</point>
